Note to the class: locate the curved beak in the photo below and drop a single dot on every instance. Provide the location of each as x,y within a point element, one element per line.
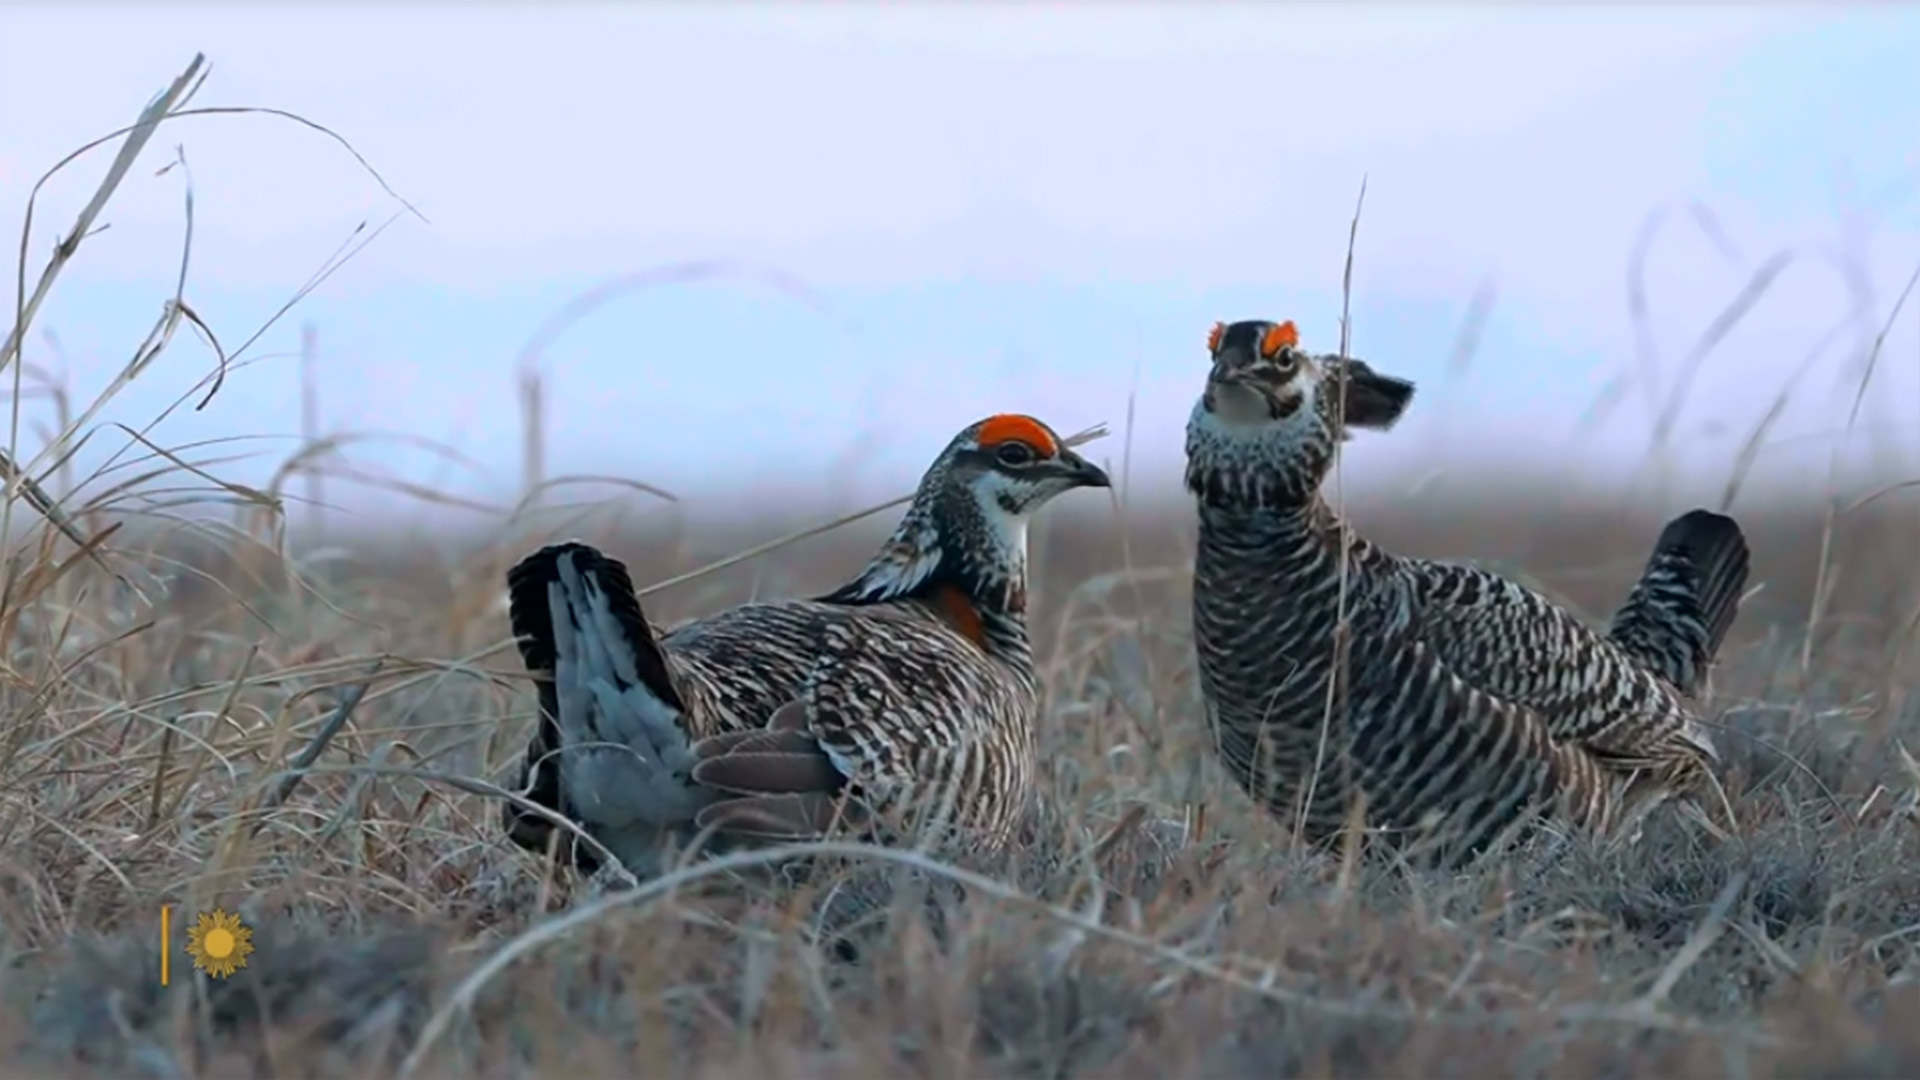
<point>1080,471</point>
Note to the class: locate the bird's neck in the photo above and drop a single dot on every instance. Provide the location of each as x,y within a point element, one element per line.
<point>974,578</point>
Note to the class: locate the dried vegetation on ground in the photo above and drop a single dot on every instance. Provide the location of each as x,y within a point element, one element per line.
<point>148,751</point>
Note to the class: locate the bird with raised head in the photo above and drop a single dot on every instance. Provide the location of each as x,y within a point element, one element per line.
<point>1440,700</point>
<point>900,702</point>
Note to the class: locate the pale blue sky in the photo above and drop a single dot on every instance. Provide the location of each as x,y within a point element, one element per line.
<point>999,208</point>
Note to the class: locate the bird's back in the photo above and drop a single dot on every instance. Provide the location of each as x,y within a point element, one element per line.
<point>1505,639</point>
<point>915,715</point>
<point>900,659</point>
<point>1623,693</point>
<point>735,667</point>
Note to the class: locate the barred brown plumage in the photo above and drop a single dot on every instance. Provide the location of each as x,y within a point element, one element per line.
<point>1469,702</point>
<point>902,701</point>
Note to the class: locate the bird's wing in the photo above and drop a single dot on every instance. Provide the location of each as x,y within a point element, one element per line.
<point>889,718</point>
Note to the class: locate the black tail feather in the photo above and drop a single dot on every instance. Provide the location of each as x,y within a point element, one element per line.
<point>1678,615</point>
<point>530,615</point>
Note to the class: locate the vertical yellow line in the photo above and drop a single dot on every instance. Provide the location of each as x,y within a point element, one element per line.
<point>166,917</point>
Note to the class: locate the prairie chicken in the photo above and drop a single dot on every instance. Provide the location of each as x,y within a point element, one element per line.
<point>904,698</point>
<point>1468,701</point>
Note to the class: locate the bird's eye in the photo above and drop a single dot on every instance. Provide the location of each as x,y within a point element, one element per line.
<point>1014,453</point>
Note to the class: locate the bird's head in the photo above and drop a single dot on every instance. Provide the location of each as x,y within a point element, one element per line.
<point>1009,465</point>
<point>1264,430</point>
<point>967,525</point>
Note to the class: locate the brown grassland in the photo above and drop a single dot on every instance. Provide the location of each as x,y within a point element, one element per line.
<point>211,715</point>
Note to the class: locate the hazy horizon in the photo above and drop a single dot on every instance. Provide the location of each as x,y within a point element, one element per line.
<point>934,213</point>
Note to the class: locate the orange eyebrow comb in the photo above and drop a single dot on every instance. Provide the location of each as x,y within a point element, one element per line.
<point>1013,427</point>
<point>1284,336</point>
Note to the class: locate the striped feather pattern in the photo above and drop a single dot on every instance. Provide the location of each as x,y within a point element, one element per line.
<point>1468,703</point>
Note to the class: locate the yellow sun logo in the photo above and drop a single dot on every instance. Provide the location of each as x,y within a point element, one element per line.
<point>219,943</point>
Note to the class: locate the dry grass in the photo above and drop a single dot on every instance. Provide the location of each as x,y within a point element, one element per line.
<point>162,709</point>
<point>145,760</point>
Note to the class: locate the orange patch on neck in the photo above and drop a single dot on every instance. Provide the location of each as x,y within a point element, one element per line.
<point>958,609</point>
<point>1012,427</point>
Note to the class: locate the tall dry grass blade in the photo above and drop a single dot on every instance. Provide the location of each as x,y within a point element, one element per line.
<point>533,435</point>
<point>1826,572</point>
<point>137,138</point>
<point>321,739</point>
<point>49,508</point>
<point>1660,458</point>
<point>1756,440</point>
<point>357,241</point>
<point>167,738</point>
<point>1711,926</point>
<point>1335,702</point>
<point>209,747</point>
<point>1646,349</point>
<point>26,307</point>
<point>310,425</point>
